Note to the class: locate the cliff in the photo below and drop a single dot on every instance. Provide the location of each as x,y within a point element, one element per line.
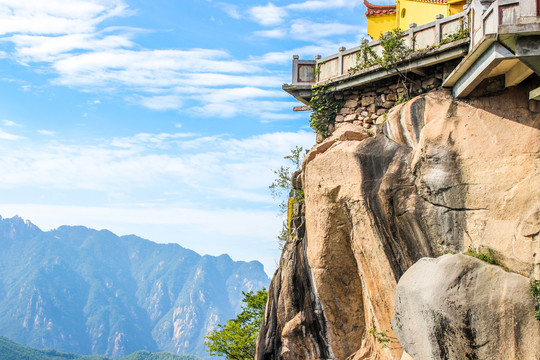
<point>436,176</point>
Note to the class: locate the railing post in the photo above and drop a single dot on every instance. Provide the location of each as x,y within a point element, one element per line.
<point>340,60</point>
<point>295,69</point>
<point>412,45</point>
<point>497,16</point>
<point>363,52</point>
<point>438,19</point>
<point>317,60</point>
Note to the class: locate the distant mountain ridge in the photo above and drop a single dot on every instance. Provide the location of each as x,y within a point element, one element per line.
<point>10,350</point>
<point>76,289</point>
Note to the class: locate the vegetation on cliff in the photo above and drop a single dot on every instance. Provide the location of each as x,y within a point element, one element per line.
<point>282,189</point>
<point>535,293</point>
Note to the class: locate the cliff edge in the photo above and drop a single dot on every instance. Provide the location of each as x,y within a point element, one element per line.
<point>436,176</point>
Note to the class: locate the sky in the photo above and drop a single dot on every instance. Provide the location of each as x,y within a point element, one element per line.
<point>164,118</point>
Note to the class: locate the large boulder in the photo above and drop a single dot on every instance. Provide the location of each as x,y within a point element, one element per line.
<point>458,307</point>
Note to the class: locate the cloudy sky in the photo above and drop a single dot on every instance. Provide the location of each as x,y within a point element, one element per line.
<point>160,118</point>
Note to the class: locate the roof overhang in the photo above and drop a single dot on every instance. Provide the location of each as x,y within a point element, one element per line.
<point>373,10</point>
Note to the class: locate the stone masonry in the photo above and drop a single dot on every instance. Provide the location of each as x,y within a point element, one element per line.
<point>367,105</point>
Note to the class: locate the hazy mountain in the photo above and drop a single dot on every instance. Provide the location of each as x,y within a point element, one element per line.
<point>14,351</point>
<point>80,290</point>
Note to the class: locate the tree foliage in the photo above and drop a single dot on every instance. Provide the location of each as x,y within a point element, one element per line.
<point>236,339</point>
<point>394,49</point>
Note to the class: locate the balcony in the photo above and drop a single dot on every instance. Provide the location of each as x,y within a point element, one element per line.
<point>506,29</point>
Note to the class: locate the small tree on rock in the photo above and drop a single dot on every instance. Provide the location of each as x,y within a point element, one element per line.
<point>236,339</point>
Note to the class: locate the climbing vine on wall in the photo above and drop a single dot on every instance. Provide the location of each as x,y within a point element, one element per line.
<point>324,108</point>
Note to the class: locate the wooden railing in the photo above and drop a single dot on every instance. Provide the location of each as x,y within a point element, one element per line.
<point>477,18</point>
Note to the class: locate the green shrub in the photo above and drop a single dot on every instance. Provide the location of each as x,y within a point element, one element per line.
<point>382,337</point>
<point>488,257</point>
<point>535,293</point>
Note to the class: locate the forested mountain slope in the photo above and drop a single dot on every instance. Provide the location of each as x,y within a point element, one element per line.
<point>80,290</point>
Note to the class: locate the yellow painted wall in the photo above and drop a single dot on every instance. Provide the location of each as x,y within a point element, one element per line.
<point>419,12</point>
<point>379,24</point>
<point>457,7</point>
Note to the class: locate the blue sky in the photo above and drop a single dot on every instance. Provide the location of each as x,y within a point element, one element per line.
<point>158,118</point>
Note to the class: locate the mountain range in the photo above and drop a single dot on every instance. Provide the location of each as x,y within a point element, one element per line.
<point>80,290</point>
<point>10,350</point>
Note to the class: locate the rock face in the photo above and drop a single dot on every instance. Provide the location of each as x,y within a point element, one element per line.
<point>293,308</point>
<point>443,175</point>
<point>465,309</point>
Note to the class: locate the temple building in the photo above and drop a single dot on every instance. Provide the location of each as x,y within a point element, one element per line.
<point>382,18</point>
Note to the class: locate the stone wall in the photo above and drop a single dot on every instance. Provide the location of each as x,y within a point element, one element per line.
<point>367,105</point>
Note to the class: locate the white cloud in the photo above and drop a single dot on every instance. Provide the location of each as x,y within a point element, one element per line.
<point>72,45</point>
<point>231,10</point>
<point>214,80</point>
<point>305,29</point>
<point>7,136</point>
<point>275,15</point>
<point>10,123</point>
<point>268,14</point>
<point>228,109</point>
<point>57,16</point>
<point>323,47</point>
<point>240,94</point>
<point>273,34</point>
<point>147,69</point>
<point>149,140</point>
<point>164,102</point>
<point>36,48</point>
<point>46,132</point>
<point>131,164</point>
<point>317,5</point>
